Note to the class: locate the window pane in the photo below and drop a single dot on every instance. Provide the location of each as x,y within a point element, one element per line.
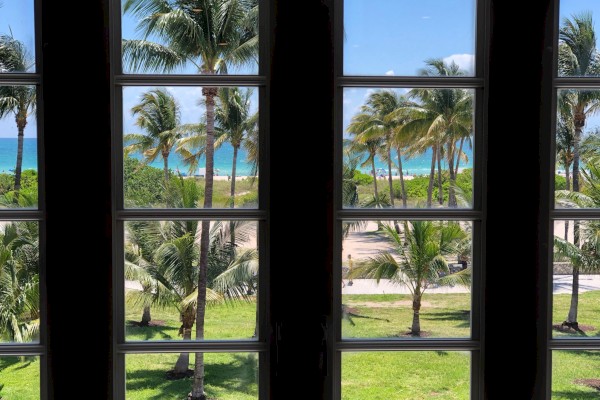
<point>394,158</point>
<point>405,375</point>
<point>575,375</point>
<point>18,147</point>
<point>578,54</point>
<point>19,378</point>
<point>166,148</point>
<point>576,264</point>
<point>19,282</point>
<point>192,37</point>
<point>227,376</point>
<point>17,36</point>
<point>162,261</point>
<point>578,149</point>
<point>383,275</point>
<point>393,37</point>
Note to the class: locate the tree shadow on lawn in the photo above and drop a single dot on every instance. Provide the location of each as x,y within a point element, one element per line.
<point>234,376</point>
<point>151,332</point>
<point>462,317</point>
<point>6,362</point>
<point>574,395</point>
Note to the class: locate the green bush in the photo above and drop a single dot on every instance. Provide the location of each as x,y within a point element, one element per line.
<point>362,179</point>
<point>560,182</point>
<point>416,188</point>
<point>143,185</point>
<point>249,200</point>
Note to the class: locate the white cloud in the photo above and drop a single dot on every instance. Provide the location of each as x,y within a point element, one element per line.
<point>464,61</point>
<point>356,46</point>
<point>425,17</point>
<point>390,72</point>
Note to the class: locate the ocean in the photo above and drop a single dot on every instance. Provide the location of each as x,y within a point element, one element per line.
<point>419,165</point>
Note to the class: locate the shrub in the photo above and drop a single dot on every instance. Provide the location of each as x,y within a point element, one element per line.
<point>144,185</point>
<point>560,182</point>
<point>362,179</point>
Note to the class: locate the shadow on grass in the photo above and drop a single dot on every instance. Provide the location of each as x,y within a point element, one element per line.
<point>238,375</point>
<point>6,362</point>
<point>461,317</point>
<point>152,332</point>
<point>574,395</point>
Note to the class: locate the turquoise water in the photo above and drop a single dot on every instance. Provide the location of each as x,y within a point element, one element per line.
<point>223,158</point>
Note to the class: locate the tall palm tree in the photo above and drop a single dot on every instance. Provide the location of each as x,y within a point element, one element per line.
<point>159,116</point>
<point>211,35</point>
<point>443,117</point>
<point>234,124</point>
<point>19,101</point>
<point>578,56</point>
<point>418,261</point>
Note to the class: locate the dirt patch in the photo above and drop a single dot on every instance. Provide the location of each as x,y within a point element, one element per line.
<point>172,375</point>
<point>592,383</point>
<point>387,304</point>
<point>409,334</point>
<point>566,329</point>
<point>154,322</point>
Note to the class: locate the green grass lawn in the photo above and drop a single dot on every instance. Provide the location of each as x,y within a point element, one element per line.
<point>588,314</point>
<point>368,375</point>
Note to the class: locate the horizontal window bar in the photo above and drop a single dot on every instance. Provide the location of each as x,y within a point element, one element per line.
<point>21,349</point>
<point>414,344</point>
<point>15,214</point>
<point>409,82</point>
<point>191,214</point>
<point>575,213</point>
<point>190,80</point>
<point>192,347</point>
<point>396,213</point>
<point>574,344</point>
<point>577,83</point>
<point>20,79</point>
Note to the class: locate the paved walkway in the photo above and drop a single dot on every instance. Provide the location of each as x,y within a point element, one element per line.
<point>562,284</point>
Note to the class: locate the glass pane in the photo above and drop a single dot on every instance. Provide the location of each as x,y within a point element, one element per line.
<point>163,260</point>
<point>406,375</point>
<point>577,41</point>
<point>391,37</point>
<point>227,376</point>
<point>19,378</point>
<point>166,147</point>
<point>19,282</point>
<point>576,279</point>
<point>415,283</point>
<point>17,36</point>
<point>18,147</point>
<point>191,37</point>
<point>575,375</point>
<point>393,157</point>
<point>578,149</point>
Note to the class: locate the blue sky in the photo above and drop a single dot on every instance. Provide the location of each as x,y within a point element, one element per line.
<point>382,37</point>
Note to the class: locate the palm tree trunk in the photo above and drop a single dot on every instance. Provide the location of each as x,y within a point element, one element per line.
<point>19,166</point>
<point>187,323</point>
<point>439,166</point>
<point>198,384</point>
<point>146,318</point>
<point>572,317</point>
<point>403,189</point>
<point>452,174</point>
<point>166,172</point>
<point>568,175</point>
<point>431,177</point>
<point>462,142</point>
<point>374,176</point>
<point>233,171</point>
<point>567,230</point>
<point>576,139</point>
<point>391,182</point>
<point>416,322</point>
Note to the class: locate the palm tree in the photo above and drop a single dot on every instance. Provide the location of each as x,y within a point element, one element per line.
<point>418,261</point>
<point>19,282</point>
<point>164,257</point>
<point>211,35</point>
<point>19,101</point>
<point>365,140</point>
<point>234,123</point>
<point>442,117</point>
<point>159,116</point>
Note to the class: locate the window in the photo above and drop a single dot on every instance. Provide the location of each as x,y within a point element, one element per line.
<point>101,210</point>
